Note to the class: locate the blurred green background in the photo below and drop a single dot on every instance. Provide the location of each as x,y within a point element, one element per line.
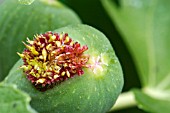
<point>92,13</point>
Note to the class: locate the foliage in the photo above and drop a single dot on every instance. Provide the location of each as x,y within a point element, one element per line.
<point>13,100</point>
<point>144,26</point>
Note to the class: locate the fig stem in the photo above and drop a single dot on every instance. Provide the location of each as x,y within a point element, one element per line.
<point>125,100</point>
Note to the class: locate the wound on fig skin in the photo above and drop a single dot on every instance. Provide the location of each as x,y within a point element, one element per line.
<point>52,58</point>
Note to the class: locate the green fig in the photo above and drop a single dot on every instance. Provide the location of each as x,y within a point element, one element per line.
<point>26,2</point>
<point>93,76</point>
<point>19,21</point>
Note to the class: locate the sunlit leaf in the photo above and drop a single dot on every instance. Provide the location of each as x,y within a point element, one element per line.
<point>145,26</point>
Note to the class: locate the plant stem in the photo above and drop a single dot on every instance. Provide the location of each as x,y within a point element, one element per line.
<point>125,100</point>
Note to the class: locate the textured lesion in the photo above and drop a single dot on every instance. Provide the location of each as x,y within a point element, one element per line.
<point>52,58</point>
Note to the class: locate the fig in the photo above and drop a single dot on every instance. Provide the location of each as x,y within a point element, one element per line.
<point>92,78</point>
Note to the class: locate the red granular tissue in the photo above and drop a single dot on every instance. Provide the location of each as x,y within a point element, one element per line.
<point>52,58</point>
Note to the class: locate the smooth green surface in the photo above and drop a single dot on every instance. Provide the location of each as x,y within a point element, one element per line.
<point>13,100</point>
<point>144,26</point>
<point>89,93</point>
<point>17,22</point>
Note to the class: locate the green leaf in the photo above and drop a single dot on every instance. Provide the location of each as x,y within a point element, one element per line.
<point>144,26</point>
<point>153,105</point>
<point>26,2</point>
<point>90,92</point>
<point>17,22</point>
<point>13,100</point>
